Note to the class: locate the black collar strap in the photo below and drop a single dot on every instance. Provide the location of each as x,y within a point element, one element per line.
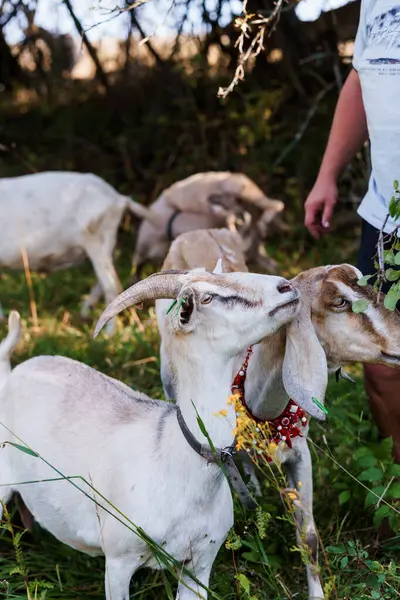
<point>222,457</point>
<point>170,224</point>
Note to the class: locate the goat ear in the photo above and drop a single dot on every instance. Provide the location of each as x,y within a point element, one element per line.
<point>186,310</point>
<point>218,269</point>
<point>305,370</point>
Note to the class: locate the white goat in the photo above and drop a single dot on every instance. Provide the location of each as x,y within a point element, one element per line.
<point>325,335</point>
<point>204,200</point>
<point>131,448</point>
<point>58,219</point>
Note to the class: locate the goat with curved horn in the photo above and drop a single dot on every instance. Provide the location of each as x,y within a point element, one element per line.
<point>159,285</point>
<point>146,456</point>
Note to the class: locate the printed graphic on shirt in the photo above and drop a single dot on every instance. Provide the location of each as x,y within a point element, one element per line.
<point>384,61</point>
<point>384,31</point>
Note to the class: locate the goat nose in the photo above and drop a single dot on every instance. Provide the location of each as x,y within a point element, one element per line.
<point>285,287</point>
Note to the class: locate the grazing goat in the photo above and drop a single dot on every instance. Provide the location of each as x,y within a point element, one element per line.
<point>325,335</point>
<point>58,219</point>
<point>204,200</point>
<point>136,451</point>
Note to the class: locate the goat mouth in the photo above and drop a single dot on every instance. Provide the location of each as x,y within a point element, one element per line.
<point>391,358</point>
<point>284,305</point>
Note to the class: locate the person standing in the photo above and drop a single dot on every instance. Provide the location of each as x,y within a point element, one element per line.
<point>368,107</point>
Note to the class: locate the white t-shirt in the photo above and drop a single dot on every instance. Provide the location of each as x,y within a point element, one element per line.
<point>377,61</point>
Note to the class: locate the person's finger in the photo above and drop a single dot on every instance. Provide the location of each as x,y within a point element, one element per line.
<point>311,220</point>
<point>314,227</point>
<point>327,214</point>
<point>316,230</point>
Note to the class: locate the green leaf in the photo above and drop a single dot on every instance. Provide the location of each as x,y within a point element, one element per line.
<point>359,306</point>
<point>367,461</point>
<point>203,429</point>
<point>391,299</point>
<point>372,474</point>
<point>372,498</point>
<point>383,511</point>
<point>396,184</point>
<point>393,274</point>
<point>393,471</point>
<point>344,497</point>
<point>392,207</point>
<point>363,281</point>
<point>397,258</point>
<point>244,582</point>
<point>394,490</point>
<point>374,566</point>
<point>24,449</point>
<point>340,549</point>
<point>344,562</point>
<point>388,257</point>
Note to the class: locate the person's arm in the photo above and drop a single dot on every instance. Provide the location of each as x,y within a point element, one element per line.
<point>348,133</point>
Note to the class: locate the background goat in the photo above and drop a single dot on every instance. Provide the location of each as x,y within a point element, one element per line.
<point>325,335</point>
<point>58,219</point>
<point>204,200</point>
<point>130,447</point>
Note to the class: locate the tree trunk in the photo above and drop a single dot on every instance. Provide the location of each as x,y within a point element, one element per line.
<point>10,71</point>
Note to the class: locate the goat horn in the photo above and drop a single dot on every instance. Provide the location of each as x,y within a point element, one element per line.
<point>160,285</point>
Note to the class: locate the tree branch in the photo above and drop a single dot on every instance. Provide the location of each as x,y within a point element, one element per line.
<point>145,38</point>
<point>93,54</point>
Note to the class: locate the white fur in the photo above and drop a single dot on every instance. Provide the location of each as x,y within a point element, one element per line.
<point>308,348</point>
<point>130,447</point>
<point>60,219</point>
<point>7,346</point>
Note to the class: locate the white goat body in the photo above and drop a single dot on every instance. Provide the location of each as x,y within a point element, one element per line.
<point>130,447</point>
<point>208,200</point>
<point>294,362</point>
<point>58,219</point>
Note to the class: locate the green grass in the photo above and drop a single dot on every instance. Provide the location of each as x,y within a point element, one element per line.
<point>361,544</point>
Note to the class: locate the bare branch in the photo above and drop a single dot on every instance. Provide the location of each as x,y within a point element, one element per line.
<point>115,12</point>
<point>146,39</point>
<point>265,26</point>
<point>99,69</point>
<point>381,259</point>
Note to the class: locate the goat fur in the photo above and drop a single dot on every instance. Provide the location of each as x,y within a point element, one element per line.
<point>59,219</point>
<point>130,448</point>
<point>209,200</point>
<point>295,361</point>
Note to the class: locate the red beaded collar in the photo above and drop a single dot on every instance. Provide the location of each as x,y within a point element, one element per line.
<point>283,428</point>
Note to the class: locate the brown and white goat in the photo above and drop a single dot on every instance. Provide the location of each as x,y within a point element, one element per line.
<point>294,362</point>
<point>204,200</point>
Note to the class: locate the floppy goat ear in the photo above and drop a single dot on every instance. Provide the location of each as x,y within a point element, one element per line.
<point>305,370</point>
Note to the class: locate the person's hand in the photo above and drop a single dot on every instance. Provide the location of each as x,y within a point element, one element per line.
<point>319,207</point>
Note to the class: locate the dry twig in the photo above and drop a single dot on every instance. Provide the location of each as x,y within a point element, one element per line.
<point>265,26</point>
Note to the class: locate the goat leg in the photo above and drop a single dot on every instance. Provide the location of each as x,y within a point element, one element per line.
<point>298,467</point>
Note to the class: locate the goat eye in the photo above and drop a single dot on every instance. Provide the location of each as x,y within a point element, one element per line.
<point>340,302</point>
<point>206,299</point>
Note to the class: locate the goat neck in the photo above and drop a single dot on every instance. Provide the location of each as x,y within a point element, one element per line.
<point>203,380</point>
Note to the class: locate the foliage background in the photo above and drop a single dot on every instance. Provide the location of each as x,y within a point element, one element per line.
<point>154,120</point>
